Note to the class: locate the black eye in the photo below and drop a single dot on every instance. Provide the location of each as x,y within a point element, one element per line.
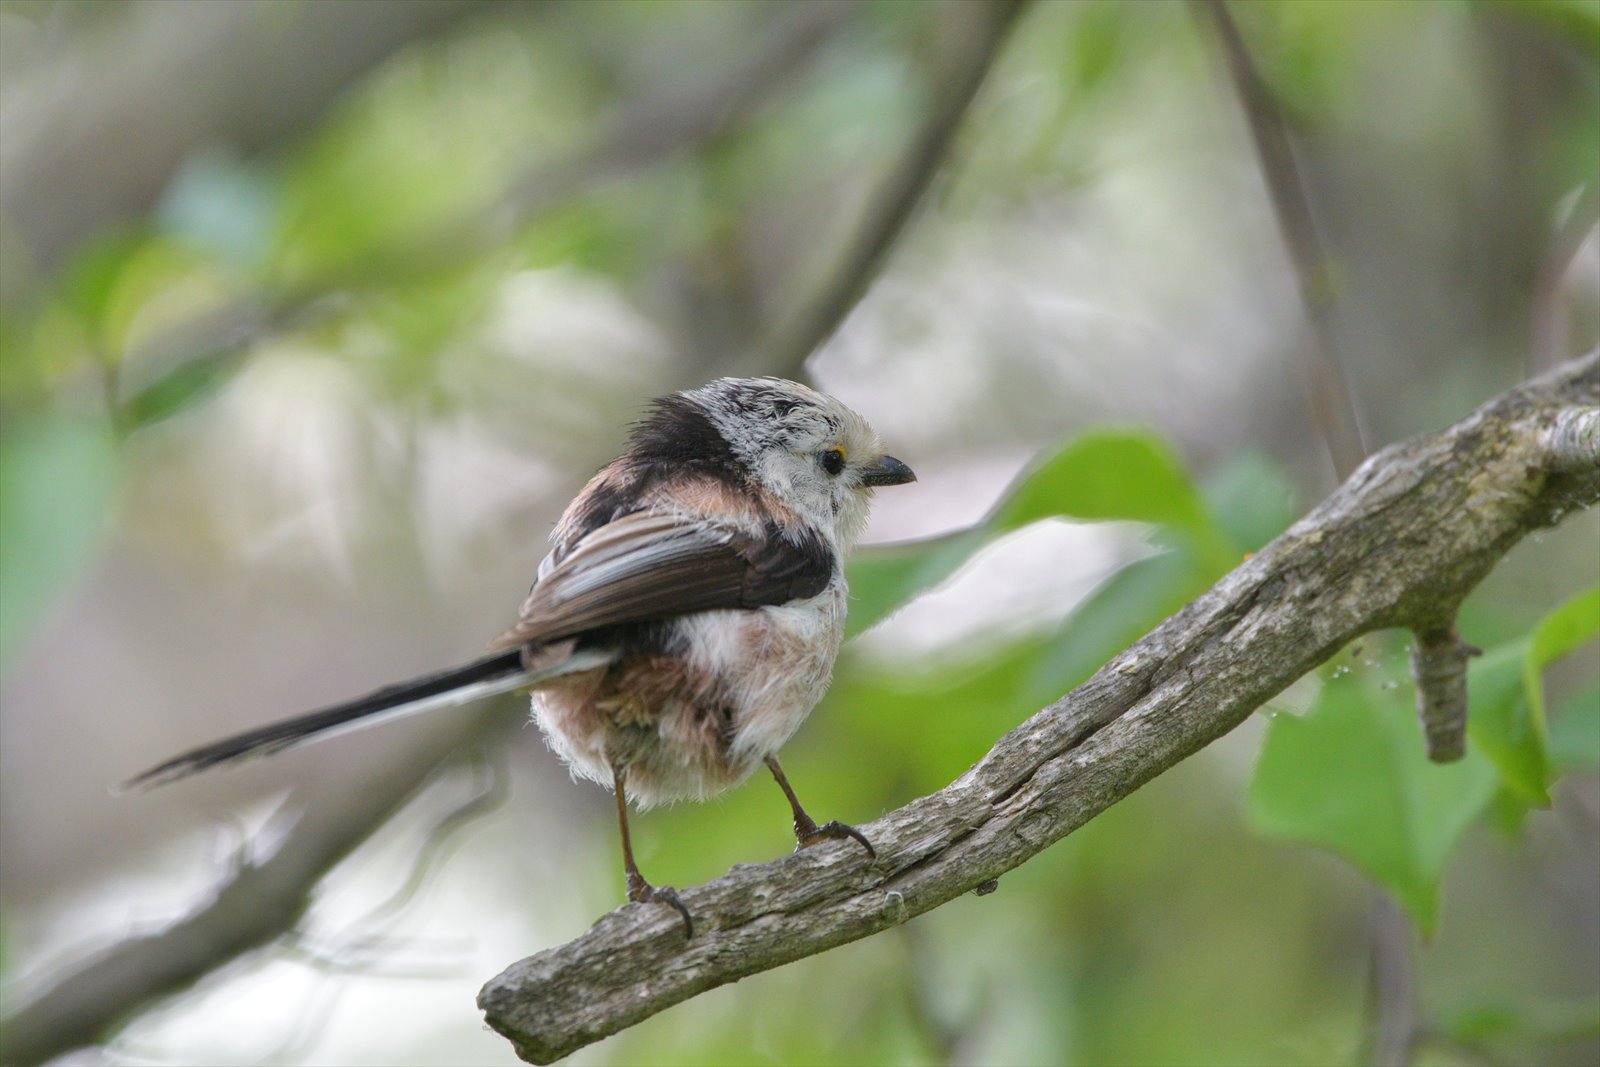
<point>832,460</point>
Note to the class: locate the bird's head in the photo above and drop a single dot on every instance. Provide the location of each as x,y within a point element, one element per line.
<point>806,448</point>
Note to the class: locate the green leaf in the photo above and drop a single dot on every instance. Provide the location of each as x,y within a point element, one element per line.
<point>1558,633</point>
<point>179,388</point>
<point>91,280</point>
<point>883,579</point>
<point>1107,474</point>
<point>1564,629</point>
<point>57,476</point>
<point>936,716</point>
<point>1567,627</point>
<point>1097,47</point>
<point>417,150</point>
<point>1103,475</point>
<point>1115,615</point>
<point>1351,775</point>
<point>1251,501</point>
<point>1443,799</point>
<point>1505,688</point>
<point>1499,723</point>
<point>1507,814</point>
<point>162,285</point>
<point>127,288</point>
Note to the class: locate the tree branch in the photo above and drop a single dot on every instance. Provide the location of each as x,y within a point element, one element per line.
<point>1332,405</point>
<point>1391,986</point>
<point>1415,527</point>
<point>976,34</point>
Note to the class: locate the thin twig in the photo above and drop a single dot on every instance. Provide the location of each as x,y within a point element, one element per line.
<point>372,956</point>
<point>978,33</point>
<point>1332,405</point>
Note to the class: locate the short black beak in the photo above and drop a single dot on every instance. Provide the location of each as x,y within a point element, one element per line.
<point>886,471</point>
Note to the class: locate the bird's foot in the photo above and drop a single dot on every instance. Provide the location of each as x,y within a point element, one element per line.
<point>642,892</point>
<point>809,833</point>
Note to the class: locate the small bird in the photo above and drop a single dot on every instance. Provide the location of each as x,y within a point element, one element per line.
<point>687,617</point>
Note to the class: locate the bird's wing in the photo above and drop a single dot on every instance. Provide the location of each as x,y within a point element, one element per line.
<point>653,565</point>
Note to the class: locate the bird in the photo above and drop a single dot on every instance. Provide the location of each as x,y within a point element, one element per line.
<point>686,618</point>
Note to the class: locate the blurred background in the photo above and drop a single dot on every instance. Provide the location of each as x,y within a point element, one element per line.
<point>314,315</point>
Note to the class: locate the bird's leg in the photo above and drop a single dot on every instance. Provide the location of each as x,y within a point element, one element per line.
<point>806,831</point>
<point>639,890</point>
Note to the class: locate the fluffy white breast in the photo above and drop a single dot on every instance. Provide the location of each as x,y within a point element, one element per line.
<point>778,662</point>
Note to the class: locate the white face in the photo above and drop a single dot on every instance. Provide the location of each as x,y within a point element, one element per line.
<point>814,453</point>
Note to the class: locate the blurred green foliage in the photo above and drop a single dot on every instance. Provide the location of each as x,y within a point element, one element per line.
<point>57,486</point>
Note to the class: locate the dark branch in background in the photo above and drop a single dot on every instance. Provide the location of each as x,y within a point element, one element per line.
<point>1417,525</point>
<point>1439,662</point>
<point>1391,985</point>
<point>1439,656</point>
<point>970,40</point>
<point>1332,405</point>
<point>259,903</point>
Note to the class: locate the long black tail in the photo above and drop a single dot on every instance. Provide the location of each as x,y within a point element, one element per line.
<point>499,673</point>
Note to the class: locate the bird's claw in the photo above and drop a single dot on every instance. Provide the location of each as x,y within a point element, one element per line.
<point>642,892</point>
<point>834,830</point>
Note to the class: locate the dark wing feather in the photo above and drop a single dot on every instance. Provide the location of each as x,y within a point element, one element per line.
<point>648,566</point>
